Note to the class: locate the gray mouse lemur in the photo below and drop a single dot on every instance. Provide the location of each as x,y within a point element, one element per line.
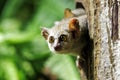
<point>70,35</point>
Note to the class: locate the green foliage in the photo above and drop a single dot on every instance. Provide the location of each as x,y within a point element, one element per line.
<point>24,54</point>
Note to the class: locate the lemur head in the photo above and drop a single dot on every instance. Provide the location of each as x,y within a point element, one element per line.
<point>62,37</point>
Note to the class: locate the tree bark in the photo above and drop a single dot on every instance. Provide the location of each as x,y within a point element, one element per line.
<point>104,29</point>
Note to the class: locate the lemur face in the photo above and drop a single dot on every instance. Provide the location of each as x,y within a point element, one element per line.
<point>62,36</point>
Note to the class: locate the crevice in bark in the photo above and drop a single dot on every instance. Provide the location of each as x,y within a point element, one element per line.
<point>79,5</point>
<point>115,21</point>
<point>89,59</point>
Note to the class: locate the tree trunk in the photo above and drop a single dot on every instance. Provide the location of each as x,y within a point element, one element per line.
<point>104,29</point>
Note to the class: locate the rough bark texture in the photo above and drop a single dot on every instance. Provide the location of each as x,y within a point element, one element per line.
<point>104,29</point>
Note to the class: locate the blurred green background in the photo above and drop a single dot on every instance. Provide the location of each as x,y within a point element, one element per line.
<point>24,54</point>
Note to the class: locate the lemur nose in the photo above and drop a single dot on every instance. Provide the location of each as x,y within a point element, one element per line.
<point>57,48</point>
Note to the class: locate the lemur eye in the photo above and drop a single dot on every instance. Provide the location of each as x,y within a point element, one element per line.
<point>51,39</point>
<point>63,38</point>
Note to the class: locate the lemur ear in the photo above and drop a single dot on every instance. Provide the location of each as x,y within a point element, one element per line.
<point>44,32</point>
<point>68,13</point>
<point>74,27</point>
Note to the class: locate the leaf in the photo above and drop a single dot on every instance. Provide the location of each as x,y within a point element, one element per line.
<point>36,49</point>
<point>16,38</point>
<point>63,66</point>
<point>9,70</point>
<point>10,8</point>
<point>10,25</point>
